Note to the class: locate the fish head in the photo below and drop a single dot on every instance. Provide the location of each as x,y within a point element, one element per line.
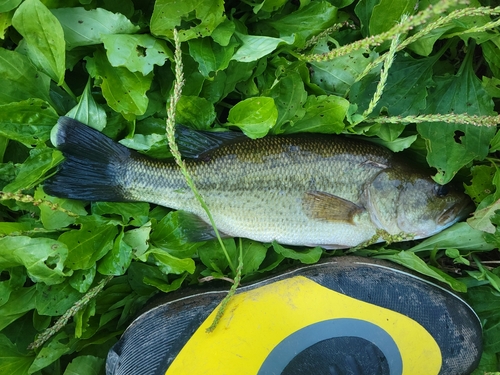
<point>411,202</point>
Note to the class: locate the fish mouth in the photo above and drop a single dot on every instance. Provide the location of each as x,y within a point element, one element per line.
<point>456,212</point>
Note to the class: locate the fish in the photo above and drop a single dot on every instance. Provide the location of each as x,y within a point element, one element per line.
<point>302,190</point>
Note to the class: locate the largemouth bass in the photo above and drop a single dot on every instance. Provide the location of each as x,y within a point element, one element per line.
<point>311,190</point>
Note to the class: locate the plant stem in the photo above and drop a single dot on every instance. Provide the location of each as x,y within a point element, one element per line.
<point>170,130</point>
<point>231,292</point>
<point>451,118</point>
<point>375,40</point>
<point>61,322</point>
<point>384,74</point>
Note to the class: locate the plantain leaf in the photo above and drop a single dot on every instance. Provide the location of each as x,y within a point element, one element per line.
<point>20,80</point>
<point>43,38</point>
<point>86,27</point>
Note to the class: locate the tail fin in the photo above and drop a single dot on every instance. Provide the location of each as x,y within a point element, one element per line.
<point>92,167</point>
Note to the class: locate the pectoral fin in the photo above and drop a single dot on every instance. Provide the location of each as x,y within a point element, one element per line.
<point>324,206</point>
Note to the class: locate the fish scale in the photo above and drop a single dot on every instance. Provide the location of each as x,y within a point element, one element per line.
<point>313,190</point>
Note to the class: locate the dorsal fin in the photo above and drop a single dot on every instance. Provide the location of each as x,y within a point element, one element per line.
<point>197,144</point>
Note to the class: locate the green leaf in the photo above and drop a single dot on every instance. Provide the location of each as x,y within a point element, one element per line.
<point>138,239</point>
<point>490,49</point>
<point>388,13</point>
<point>82,280</point>
<point>14,279</point>
<point>86,27</point>
<point>195,111</point>
<point>90,243</point>
<point>364,10</point>
<point>289,96</point>
<point>337,76</point>
<point>20,302</point>
<point>481,184</point>
<point>309,256</point>
<point>210,56</point>
<point>254,116</point>
<point>43,258</point>
<point>12,361</point>
<point>495,142</point>
<point>33,170</point>
<point>43,37</point>
<point>169,235</point>
<point>55,219</point>
<point>54,300</point>
<point>405,91</point>
<point>154,145</point>
<point>169,264</point>
<point>254,47</point>
<point>88,111</point>
<point>52,351</point>
<point>267,5</point>
<point>118,259</point>
<point>396,145</point>
<point>493,279</point>
<point>307,21</point>
<point>254,254</point>
<point>223,32</point>
<point>28,121</point>
<point>486,302</point>
<point>163,285</point>
<point>212,256</point>
<point>412,261</point>
<point>20,80</point>
<point>123,90</point>
<point>6,5</point>
<point>481,219</point>
<point>460,236</point>
<point>137,53</point>
<point>85,365</point>
<point>196,17</point>
<point>451,146</point>
<point>324,114</point>
<point>131,210</point>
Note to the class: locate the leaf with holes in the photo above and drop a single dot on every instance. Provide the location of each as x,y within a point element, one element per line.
<point>43,38</point>
<point>196,17</point>
<point>43,258</point>
<point>137,53</point>
<point>451,146</point>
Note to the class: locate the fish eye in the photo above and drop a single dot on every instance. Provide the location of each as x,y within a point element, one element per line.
<point>442,190</point>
